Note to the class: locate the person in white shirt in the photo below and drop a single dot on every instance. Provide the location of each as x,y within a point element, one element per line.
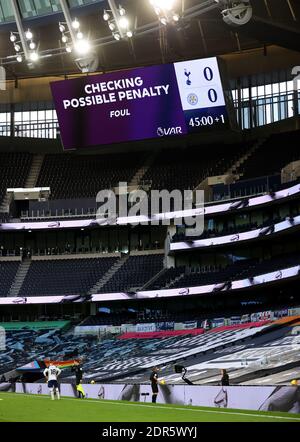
<point>51,374</point>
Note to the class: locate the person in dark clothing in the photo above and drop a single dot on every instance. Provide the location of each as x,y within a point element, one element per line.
<point>225,378</point>
<point>77,369</point>
<point>154,383</point>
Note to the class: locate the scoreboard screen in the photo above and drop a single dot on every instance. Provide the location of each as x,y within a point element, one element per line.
<point>142,103</point>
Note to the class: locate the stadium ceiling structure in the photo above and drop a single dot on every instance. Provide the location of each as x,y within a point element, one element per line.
<point>109,34</point>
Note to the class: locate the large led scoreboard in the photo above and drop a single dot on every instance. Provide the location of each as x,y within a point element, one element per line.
<point>142,103</point>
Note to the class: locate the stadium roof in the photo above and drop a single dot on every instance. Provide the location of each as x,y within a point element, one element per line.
<point>200,33</point>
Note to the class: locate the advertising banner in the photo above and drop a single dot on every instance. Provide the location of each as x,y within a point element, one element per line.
<point>272,398</point>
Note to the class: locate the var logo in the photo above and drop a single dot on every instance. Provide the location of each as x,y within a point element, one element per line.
<point>163,132</point>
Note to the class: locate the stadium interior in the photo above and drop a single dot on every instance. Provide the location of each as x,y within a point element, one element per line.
<point>120,296</point>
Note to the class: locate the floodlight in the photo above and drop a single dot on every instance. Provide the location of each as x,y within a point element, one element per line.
<point>123,23</point>
<point>82,47</point>
<point>106,16</point>
<point>164,5</point>
<point>34,56</point>
<point>75,24</point>
<point>122,11</point>
<point>28,34</point>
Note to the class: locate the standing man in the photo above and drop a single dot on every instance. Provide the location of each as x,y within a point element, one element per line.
<point>78,375</point>
<point>154,383</point>
<point>51,374</point>
<point>225,378</point>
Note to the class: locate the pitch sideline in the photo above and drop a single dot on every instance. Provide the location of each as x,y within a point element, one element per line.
<point>196,410</point>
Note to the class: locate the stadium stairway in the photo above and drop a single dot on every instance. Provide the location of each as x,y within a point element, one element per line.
<point>141,172</point>
<point>20,277</point>
<point>233,170</point>
<point>155,277</point>
<point>36,165</point>
<point>235,165</point>
<point>174,281</point>
<point>108,275</point>
<point>4,205</point>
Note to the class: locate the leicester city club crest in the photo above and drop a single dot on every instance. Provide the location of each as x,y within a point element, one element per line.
<point>192,99</point>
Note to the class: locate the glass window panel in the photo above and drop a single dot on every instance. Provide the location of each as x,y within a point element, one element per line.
<point>268,89</point>
<point>27,8</point>
<point>275,113</point>
<point>31,8</point>
<point>18,117</point>
<point>260,91</point>
<point>6,12</point>
<point>268,114</point>
<point>43,7</point>
<point>26,117</point>
<point>245,94</point>
<point>41,115</point>
<point>235,94</point>
<point>254,92</point>
<point>290,108</point>
<point>76,3</point>
<point>282,87</point>
<point>33,115</point>
<point>49,115</point>
<point>3,117</point>
<point>276,88</point>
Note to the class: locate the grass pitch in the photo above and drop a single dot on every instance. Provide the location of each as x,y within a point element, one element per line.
<point>32,408</point>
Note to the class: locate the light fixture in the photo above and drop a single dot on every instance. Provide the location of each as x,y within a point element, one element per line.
<point>34,56</point>
<point>12,37</point>
<point>164,9</point>
<point>19,58</point>
<point>28,34</point>
<point>79,35</point>
<point>32,45</point>
<point>122,11</point>
<point>62,28</point>
<point>123,23</point>
<point>106,16</point>
<point>75,24</point>
<point>17,47</point>
<point>68,48</point>
<point>119,26</point>
<point>82,47</point>
<point>64,38</point>
<point>164,5</point>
